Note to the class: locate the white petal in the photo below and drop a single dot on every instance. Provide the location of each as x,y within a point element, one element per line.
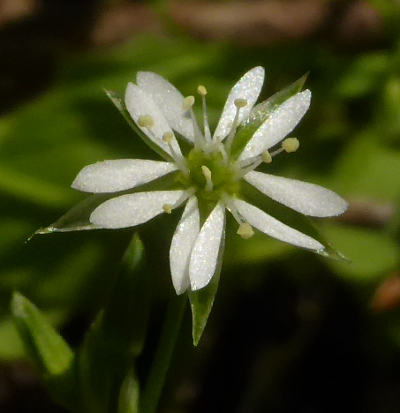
<point>248,87</point>
<point>133,209</point>
<point>278,125</point>
<point>182,243</point>
<point>274,228</point>
<point>139,103</point>
<point>309,199</point>
<point>206,250</point>
<point>168,98</point>
<point>120,174</point>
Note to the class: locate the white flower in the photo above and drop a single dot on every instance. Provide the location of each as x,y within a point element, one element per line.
<point>209,177</point>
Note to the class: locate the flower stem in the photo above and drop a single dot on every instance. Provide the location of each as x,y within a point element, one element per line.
<point>163,355</point>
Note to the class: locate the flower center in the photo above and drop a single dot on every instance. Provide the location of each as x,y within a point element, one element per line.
<point>210,175</point>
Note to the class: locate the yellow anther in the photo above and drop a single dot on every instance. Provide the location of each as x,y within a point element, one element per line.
<point>245,230</point>
<point>266,157</point>
<point>168,137</point>
<point>145,121</point>
<point>188,102</point>
<point>167,208</point>
<point>290,144</point>
<point>240,103</point>
<point>201,90</point>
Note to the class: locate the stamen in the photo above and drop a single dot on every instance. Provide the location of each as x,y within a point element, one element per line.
<point>168,138</point>
<point>167,208</point>
<point>266,157</point>
<point>245,230</point>
<point>188,102</point>
<point>239,103</point>
<point>187,194</point>
<point>207,175</point>
<point>290,145</point>
<point>202,91</point>
<point>145,121</point>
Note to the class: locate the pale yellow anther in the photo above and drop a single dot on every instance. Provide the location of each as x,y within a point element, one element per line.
<point>266,157</point>
<point>207,174</point>
<point>188,102</point>
<point>240,103</point>
<point>290,145</point>
<point>167,208</point>
<point>168,137</point>
<point>145,121</point>
<point>201,90</point>
<point>245,230</point>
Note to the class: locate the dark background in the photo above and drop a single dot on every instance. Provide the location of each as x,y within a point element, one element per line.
<point>290,331</point>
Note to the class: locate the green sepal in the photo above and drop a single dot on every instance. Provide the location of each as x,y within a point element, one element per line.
<point>201,301</point>
<point>116,337</point>
<point>47,349</point>
<point>120,105</point>
<point>77,218</point>
<point>261,112</point>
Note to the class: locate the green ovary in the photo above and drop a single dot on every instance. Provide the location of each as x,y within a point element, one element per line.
<point>223,176</point>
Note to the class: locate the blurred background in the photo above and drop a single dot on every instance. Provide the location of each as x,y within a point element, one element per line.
<point>290,331</point>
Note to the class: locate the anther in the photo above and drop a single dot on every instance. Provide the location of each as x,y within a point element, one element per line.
<point>145,121</point>
<point>245,230</point>
<point>207,174</point>
<point>290,145</point>
<point>240,103</point>
<point>266,157</point>
<point>201,90</point>
<point>167,208</point>
<point>188,102</point>
<point>168,137</point>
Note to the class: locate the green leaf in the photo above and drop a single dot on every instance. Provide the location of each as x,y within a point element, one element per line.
<point>120,105</point>
<point>116,337</point>
<point>373,254</point>
<point>261,112</point>
<point>128,401</point>
<point>201,301</point>
<point>44,345</point>
<point>48,350</point>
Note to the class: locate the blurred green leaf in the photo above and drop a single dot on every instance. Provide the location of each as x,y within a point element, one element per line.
<point>128,401</point>
<point>364,75</point>
<point>118,333</point>
<point>45,346</point>
<point>373,254</point>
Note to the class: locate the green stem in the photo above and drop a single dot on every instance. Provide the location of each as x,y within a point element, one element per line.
<point>162,357</point>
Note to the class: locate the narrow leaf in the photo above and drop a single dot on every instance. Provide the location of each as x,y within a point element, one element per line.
<point>128,401</point>
<point>44,345</point>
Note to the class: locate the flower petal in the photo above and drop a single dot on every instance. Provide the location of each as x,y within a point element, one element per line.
<point>139,103</point>
<point>248,87</point>
<point>182,243</point>
<point>119,175</point>
<point>309,199</point>
<point>168,98</point>
<point>206,250</point>
<point>279,124</point>
<point>133,209</point>
<point>274,228</point>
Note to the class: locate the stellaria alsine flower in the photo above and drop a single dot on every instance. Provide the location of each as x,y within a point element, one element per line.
<point>210,174</point>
